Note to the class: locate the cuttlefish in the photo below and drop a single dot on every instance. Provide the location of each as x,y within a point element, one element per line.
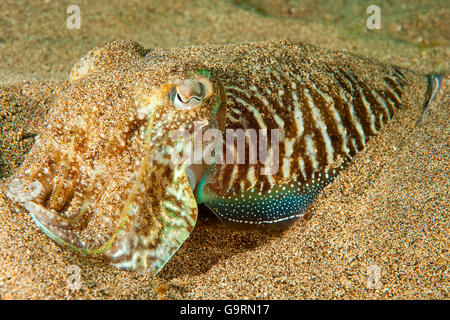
<point>102,177</point>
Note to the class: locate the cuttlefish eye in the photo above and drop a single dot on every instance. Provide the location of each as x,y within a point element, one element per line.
<point>189,94</point>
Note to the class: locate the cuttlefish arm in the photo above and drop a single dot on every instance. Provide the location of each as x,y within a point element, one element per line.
<point>102,185</point>
<point>148,232</point>
<point>142,221</point>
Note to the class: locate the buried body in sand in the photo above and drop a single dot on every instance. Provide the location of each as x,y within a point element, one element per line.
<point>101,178</point>
<point>386,210</point>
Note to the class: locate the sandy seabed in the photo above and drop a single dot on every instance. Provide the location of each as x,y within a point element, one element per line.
<point>388,211</point>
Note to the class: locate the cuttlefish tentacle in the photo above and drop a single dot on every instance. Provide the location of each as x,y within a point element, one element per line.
<point>54,189</point>
<point>177,215</point>
<point>127,247</point>
<point>17,190</point>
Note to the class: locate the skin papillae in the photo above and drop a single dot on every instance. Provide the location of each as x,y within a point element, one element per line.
<point>100,178</point>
